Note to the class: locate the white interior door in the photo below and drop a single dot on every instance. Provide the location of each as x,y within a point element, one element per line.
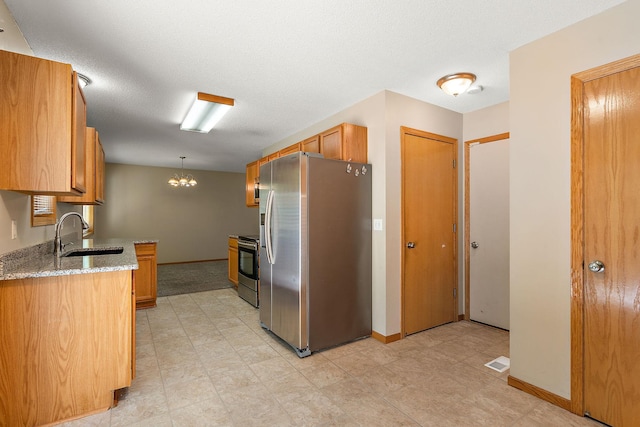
<point>489,233</point>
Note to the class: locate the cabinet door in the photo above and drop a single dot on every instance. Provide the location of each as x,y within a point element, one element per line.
<point>331,143</point>
<point>354,143</point>
<point>273,156</point>
<point>78,138</point>
<point>233,261</point>
<point>94,165</point>
<point>99,171</point>
<point>38,159</point>
<point>146,275</point>
<point>252,178</point>
<point>311,145</point>
<point>290,149</point>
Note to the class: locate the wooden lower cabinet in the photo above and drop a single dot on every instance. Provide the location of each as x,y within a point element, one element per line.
<point>146,276</point>
<point>65,346</point>
<point>233,261</point>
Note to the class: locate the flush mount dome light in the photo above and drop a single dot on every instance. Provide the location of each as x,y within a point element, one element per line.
<point>455,84</point>
<point>83,80</point>
<point>205,112</point>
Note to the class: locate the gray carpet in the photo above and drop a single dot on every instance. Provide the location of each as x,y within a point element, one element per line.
<point>176,279</point>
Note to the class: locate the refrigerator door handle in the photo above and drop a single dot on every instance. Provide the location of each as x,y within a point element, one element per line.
<point>267,231</point>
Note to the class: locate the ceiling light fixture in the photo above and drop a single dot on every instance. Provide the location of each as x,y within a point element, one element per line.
<point>205,112</point>
<point>455,84</point>
<point>182,180</point>
<point>83,80</point>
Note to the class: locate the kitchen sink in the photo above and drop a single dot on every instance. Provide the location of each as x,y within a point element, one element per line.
<point>94,251</point>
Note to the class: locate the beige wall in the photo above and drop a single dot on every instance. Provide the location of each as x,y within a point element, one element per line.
<point>191,224</point>
<point>383,114</point>
<point>540,186</point>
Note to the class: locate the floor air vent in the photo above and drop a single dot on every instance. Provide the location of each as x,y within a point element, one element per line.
<point>500,364</point>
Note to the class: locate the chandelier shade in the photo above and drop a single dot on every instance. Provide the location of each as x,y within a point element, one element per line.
<point>182,180</point>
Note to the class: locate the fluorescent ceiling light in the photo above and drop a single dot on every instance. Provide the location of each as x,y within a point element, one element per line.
<point>205,112</point>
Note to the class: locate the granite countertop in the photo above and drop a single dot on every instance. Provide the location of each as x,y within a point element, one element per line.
<point>39,260</point>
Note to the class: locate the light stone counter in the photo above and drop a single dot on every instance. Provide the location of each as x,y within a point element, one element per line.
<point>39,260</point>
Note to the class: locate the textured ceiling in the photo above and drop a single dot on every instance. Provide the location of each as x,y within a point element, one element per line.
<point>288,63</point>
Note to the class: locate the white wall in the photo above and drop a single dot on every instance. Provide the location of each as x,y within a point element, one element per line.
<point>540,109</point>
<point>191,224</point>
<point>383,114</point>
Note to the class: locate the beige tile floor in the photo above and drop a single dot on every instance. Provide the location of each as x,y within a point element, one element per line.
<point>204,360</point>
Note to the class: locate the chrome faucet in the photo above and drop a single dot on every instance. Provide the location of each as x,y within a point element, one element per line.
<point>57,242</point>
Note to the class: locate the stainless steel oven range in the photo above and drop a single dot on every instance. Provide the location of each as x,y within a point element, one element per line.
<point>248,250</point>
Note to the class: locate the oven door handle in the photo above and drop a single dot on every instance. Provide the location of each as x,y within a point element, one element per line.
<point>267,228</point>
<point>248,245</point>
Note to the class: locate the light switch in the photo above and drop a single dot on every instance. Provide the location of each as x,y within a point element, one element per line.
<point>14,229</point>
<point>377,224</point>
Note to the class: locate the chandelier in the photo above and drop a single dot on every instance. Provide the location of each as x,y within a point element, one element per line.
<point>182,180</point>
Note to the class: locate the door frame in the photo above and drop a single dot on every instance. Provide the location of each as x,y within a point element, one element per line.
<point>577,220</point>
<point>404,131</point>
<point>467,214</point>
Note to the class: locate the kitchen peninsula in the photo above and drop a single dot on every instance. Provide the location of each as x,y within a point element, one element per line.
<point>68,338</point>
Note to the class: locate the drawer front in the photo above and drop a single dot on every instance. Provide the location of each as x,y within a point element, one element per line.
<point>233,242</point>
<point>145,249</point>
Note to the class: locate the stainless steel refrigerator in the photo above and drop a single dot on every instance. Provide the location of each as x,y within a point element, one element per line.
<point>315,251</point>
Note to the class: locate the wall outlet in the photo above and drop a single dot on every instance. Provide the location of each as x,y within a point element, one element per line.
<point>377,224</point>
<point>14,229</point>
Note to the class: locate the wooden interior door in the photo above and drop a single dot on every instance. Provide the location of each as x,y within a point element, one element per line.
<point>429,183</point>
<point>611,120</point>
<point>488,219</point>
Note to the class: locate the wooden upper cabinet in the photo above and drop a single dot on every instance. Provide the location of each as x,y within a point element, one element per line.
<point>100,167</point>
<point>252,178</point>
<point>78,137</point>
<point>42,126</point>
<point>273,156</point>
<point>294,148</point>
<point>94,168</point>
<point>311,145</point>
<point>345,142</point>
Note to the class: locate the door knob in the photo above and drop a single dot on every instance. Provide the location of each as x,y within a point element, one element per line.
<point>474,245</point>
<point>411,245</point>
<point>596,266</point>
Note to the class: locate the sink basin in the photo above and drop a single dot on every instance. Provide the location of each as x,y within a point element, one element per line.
<point>94,251</point>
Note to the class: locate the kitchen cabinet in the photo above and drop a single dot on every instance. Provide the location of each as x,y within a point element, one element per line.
<point>43,119</point>
<point>233,261</point>
<point>146,276</point>
<point>311,145</point>
<point>345,142</point>
<point>293,148</point>
<point>65,345</point>
<point>94,168</point>
<point>251,180</point>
